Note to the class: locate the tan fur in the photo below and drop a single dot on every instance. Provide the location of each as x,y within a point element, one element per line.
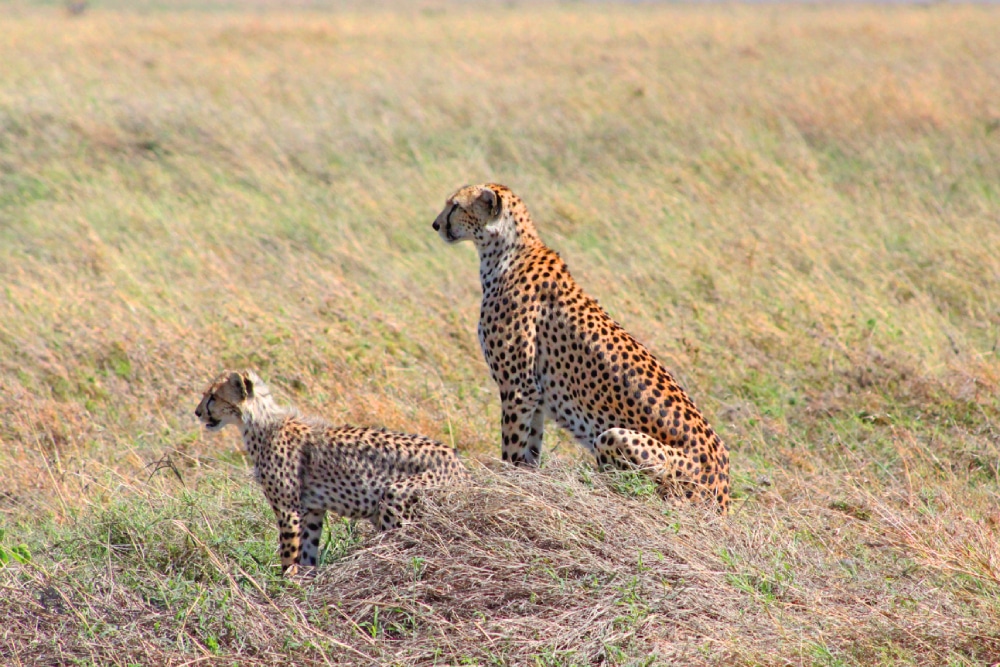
<point>307,467</point>
<point>553,351</point>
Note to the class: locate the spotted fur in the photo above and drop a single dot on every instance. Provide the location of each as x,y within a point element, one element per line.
<point>307,467</point>
<point>553,351</point>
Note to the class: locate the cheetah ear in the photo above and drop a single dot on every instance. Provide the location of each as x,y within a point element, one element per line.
<point>247,385</point>
<point>492,201</point>
<point>239,383</point>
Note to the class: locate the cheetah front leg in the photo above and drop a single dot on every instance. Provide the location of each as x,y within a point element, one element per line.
<point>522,427</point>
<point>674,474</point>
<point>311,532</point>
<point>510,353</point>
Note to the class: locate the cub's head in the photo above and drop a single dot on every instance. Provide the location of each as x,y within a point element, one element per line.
<point>225,400</point>
<point>480,213</point>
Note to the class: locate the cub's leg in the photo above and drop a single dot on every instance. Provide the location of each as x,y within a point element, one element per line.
<point>289,539</point>
<point>674,474</point>
<point>312,531</point>
<point>400,498</point>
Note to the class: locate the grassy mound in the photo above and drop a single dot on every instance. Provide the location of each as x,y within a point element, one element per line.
<point>562,566</point>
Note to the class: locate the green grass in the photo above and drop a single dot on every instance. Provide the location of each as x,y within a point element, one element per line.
<point>796,208</point>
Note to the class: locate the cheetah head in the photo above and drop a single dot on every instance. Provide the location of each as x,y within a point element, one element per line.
<point>224,402</point>
<point>475,212</point>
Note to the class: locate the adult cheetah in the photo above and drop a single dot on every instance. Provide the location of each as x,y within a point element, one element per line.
<point>553,351</point>
<point>307,466</point>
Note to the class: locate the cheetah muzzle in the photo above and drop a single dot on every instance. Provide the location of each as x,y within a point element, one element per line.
<point>445,229</point>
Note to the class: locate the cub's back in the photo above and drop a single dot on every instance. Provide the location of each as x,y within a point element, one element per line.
<point>381,454</point>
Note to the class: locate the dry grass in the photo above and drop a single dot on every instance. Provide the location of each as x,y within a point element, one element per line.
<point>797,208</point>
<point>528,568</point>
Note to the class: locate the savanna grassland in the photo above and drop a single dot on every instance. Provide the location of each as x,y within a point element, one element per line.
<point>796,207</point>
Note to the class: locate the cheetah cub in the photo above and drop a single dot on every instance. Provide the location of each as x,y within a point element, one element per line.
<point>553,351</point>
<point>308,467</point>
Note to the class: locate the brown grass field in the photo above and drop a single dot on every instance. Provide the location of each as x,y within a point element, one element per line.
<point>796,207</point>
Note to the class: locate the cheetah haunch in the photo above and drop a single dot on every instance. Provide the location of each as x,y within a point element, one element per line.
<point>553,351</point>
<point>307,467</point>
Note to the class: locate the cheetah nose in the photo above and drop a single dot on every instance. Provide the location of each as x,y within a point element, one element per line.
<point>436,226</point>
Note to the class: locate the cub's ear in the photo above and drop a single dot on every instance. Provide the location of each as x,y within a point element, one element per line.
<point>248,384</point>
<point>239,384</point>
<point>491,200</point>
